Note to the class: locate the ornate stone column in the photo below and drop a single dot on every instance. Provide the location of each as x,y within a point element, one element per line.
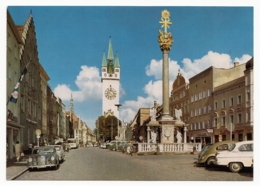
<point>148,135</point>
<point>165,41</point>
<point>185,135</point>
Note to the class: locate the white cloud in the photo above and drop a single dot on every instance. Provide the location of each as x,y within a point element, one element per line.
<point>62,91</point>
<point>245,58</point>
<point>154,69</point>
<point>121,91</point>
<point>127,114</point>
<point>154,89</point>
<point>191,68</point>
<point>89,86</point>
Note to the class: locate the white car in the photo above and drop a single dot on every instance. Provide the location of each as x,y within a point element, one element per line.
<point>241,155</point>
<point>60,152</point>
<point>103,145</point>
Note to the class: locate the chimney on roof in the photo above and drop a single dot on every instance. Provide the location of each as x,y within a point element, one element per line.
<point>236,64</point>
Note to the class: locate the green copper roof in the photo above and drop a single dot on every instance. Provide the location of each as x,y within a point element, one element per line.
<point>110,51</point>
<point>110,67</point>
<point>117,65</point>
<point>104,61</point>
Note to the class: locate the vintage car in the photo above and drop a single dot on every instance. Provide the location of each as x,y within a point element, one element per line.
<point>203,150</point>
<point>207,157</point>
<point>239,156</point>
<point>117,145</point>
<point>103,145</point>
<point>59,151</point>
<point>43,157</point>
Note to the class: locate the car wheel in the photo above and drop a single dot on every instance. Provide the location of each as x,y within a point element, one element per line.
<point>210,161</point>
<point>56,167</point>
<point>235,167</point>
<point>114,149</point>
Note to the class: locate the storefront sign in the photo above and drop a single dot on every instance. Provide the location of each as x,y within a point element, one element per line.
<point>210,130</point>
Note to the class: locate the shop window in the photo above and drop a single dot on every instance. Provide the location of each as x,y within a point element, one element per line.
<point>216,139</point>
<point>240,137</point>
<point>249,136</point>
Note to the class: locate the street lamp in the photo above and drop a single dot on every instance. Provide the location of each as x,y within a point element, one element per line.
<point>38,133</point>
<point>118,105</point>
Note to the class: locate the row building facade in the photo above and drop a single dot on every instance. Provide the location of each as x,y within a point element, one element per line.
<point>34,105</point>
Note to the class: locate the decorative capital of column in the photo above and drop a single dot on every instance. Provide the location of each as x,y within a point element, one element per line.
<point>165,41</point>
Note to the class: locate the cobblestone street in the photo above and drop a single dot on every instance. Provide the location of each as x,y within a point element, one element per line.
<point>93,163</point>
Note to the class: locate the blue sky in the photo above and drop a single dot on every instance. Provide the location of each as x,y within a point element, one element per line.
<point>71,41</point>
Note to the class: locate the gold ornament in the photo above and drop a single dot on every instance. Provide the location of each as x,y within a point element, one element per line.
<point>165,41</point>
<point>165,14</point>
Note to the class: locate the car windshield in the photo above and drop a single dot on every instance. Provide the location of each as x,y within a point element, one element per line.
<point>205,148</point>
<point>43,150</point>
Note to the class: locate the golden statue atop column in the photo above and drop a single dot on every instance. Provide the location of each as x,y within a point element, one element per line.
<point>165,39</point>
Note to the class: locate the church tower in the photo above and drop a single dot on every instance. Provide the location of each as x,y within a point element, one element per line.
<point>110,82</point>
<point>71,107</point>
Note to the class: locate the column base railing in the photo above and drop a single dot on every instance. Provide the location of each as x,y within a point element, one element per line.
<point>168,147</point>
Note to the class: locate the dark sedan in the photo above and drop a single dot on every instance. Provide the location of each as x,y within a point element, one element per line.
<point>43,157</point>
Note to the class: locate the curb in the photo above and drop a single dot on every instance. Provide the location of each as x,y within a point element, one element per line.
<point>18,174</point>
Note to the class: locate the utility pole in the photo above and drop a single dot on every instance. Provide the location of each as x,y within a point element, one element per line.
<point>118,105</point>
<point>112,130</point>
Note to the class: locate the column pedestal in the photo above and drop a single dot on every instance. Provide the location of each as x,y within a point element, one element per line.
<point>167,131</point>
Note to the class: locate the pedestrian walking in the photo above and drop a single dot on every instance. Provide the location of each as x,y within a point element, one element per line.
<point>203,145</point>
<point>18,150</point>
<point>129,149</point>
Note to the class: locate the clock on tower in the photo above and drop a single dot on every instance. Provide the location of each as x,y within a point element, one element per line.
<point>110,93</point>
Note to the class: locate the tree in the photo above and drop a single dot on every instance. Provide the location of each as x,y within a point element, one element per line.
<point>111,124</point>
<point>107,127</point>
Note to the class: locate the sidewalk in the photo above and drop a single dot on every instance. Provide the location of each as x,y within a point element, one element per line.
<point>14,168</point>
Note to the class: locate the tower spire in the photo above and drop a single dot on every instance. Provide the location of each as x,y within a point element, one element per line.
<point>71,105</point>
<point>110,51</point>
<point>104,61</point>
<point>117,65</point>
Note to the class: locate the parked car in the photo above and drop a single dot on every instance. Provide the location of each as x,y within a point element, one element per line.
<point>103,145</point>
<point>43,157</point>
<point>239,156</point>
<point>204,149</point>
<point>207,157</point>
<point>117,145</point>
<point>59,151</point>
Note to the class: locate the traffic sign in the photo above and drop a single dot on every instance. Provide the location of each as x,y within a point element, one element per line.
<point>230,126</point>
